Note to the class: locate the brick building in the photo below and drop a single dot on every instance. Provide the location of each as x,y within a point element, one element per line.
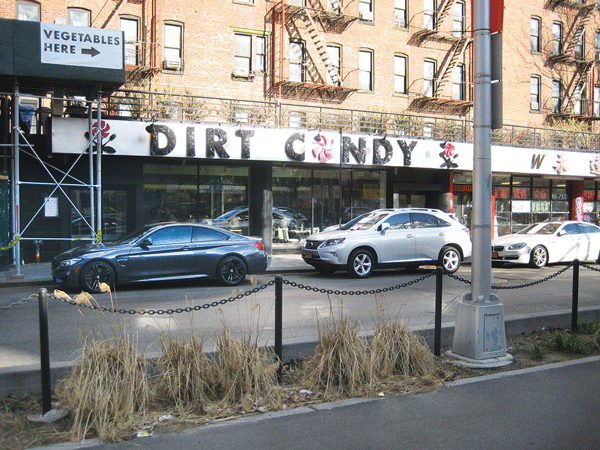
<point>332,107</point>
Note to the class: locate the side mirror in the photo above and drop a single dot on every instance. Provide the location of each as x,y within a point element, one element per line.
<point>384,226</point>
<point>561,233</point>
<point>145,243</point>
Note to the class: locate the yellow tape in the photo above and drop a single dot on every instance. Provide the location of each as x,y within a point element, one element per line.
<point>12,243</point>
<point>98,239</point>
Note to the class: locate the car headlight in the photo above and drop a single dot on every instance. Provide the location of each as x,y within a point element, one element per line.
<point>518,246</point>
<point>70,262</point>
<point>332,242</point>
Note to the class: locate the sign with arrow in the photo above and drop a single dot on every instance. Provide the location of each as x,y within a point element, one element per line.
<point>81,46</point>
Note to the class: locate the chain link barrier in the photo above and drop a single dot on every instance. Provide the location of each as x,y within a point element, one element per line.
<point>518,286</point>
<point>20,302</point>
<point>366,292</point>
<point>595,269</point>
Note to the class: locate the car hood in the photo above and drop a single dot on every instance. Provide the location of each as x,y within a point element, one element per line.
<point>332,234</point>
<point>527,238</point>
<point>88,249</point>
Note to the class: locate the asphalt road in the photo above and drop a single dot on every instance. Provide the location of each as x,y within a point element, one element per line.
<point>303,310</point>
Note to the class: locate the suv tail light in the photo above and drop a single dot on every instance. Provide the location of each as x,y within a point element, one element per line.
<point>259,245</point>
<point>466,230</point>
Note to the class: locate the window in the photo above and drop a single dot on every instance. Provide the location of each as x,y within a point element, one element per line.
<point>297,61</point>
<point>365,9</point>
<point>597,101</point>
<point>429,69</point>
<point>557,37</point>
<point>458,19</point>
<point>458,82</point>
<point>249,54</point>
<point>579,96</point>
<point>28,11</point>
<point>556,96</point>
<point>297,3</point>
<point>131,30</point>
<point>172,235</point>
<point>334,5</point>
<point>400,13</point>
<point>335,63</point>
<point>534,92</point>
<point>579,43</point>
<point>400,74</point>
<point>429,14</point>
<point>365,70</point>
<point>535,34</point>
<point>79,17</point>
<point>597,46</point>
<point>173,50</point>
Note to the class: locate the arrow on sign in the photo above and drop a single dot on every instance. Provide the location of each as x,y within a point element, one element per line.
<point>90,51</point>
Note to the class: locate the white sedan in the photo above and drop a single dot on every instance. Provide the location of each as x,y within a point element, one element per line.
<point>549,242</point>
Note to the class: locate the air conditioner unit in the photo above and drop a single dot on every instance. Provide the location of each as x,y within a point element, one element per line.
<point>237,72</point>
<point>172,64</point>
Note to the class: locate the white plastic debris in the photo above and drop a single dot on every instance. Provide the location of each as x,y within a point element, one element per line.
<point>381,394</point>
<point>306,392</point>
<point>165,417</point>
<point>50,416</point>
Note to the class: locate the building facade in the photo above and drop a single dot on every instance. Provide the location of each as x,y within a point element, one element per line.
<point>325,109</point>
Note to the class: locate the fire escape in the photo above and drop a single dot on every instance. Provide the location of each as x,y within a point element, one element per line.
<point>320,77</point>
<point>455,45</point>
<point>570,58</point>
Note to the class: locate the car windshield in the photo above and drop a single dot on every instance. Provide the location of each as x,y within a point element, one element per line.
<point>134,236</point>
<point>547,229</point>
<point>228,214</point>
<point>365,221</point>
<point>529,229</point>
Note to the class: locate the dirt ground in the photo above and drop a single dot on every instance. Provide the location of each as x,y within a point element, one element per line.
<point>17,432</point>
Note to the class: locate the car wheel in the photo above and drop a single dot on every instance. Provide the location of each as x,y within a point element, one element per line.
<point>326,270</point>
<point>539,257</point>
<point>94,273</point>
<point>231,271</point>
<point>449,259</point>
<point>360,263</point>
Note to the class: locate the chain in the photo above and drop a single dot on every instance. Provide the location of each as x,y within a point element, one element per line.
<point>589,267</point>
<point>369,292</point>
<point>151,312</point>
<point>20,302</point>
<point>520,286</point>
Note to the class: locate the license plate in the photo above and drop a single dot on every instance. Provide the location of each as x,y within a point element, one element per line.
<point>307,254</point>
<point>494,254</point>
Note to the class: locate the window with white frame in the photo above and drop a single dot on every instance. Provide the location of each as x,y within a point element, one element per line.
<point>79,17</point>
<point>333,69</point>
<point>130,26</point>
<point>365,10</point>
<point>334,5</point>
<point>429,14</point>
<point>535,34</point>
<point>400,65</point>
<point>365,70</point>
<point>557,38</point>
<point>297,61</point>
<point>297,2</point>
<point>556,96</point>
<point>429,70</point>
<point>458,82</point>
<point>597,46</point>
<point>249,54</point>
<point>173,49</point>
<point>400,13</point>
<point>597,101</point>
<point>579,43</point>
<point>29,11</point>
<point>534,93</point>
<point>458,19</point>
<point>579,99</point>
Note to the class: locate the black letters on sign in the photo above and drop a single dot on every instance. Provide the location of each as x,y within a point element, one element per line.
<point>154,131</point>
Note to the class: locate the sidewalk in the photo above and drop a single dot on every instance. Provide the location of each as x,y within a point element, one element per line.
<point>554,406</point>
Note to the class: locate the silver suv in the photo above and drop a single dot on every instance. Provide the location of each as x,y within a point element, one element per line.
<point>407,237</point>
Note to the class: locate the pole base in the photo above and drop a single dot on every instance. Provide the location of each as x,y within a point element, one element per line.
<point>50,416</point>
<point>488,363</point>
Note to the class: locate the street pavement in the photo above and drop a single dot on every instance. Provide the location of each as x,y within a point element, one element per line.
<point>553,406</point>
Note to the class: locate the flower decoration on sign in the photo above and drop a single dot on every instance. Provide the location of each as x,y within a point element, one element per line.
<point>449,155</point>
<point>104,132</point>
<point>322,148</point>
<point>561,164</point>
<point>595,165</point>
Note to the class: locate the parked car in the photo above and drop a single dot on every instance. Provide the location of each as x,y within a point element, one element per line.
<point>166,251</point>
<point>407,237</point>
<point>548,242</point>
<point>237,220</point>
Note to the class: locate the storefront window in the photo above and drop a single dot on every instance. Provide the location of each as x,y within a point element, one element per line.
<point>589,201</point>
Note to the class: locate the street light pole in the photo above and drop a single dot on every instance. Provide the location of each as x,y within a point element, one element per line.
<point>479,334</point>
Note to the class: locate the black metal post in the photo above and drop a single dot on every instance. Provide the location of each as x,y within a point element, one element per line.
<point>279,323</point>
<point>575,305</point>
<point>438,311</point>
<point>44,351</point>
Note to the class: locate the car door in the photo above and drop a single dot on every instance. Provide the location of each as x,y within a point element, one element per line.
<point>208,246</point>
<point>431,234</point>
<point>589,243</point>
<point>566,244</point>
<point>168,254</point>
<point>397,243</point>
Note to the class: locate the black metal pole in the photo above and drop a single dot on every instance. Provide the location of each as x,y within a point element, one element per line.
<point>44,351</point>
<point>438,311</point>
<point>575,305</point>
<point>279,323</point>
